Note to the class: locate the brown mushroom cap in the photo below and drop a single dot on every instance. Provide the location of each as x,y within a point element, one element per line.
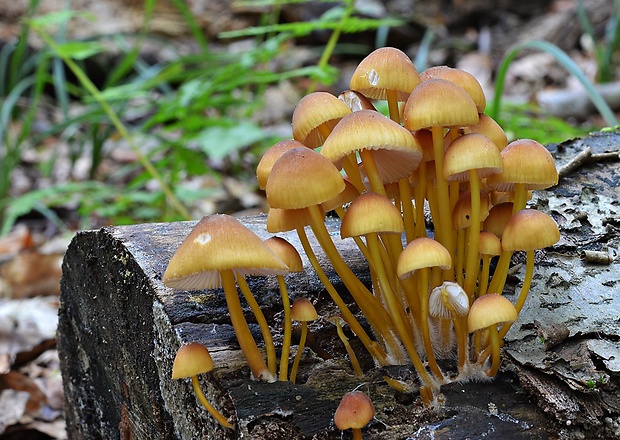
<point>490,128</point>
<point>468,152</point>
<point>528,162</point>
<point>219,242</point>
<point>282,220</point>
<point>461,213</point>
<point>439,103</point>
<point>191,360</point>
<point>386,68</point>
<point>490,309</point>
<point>489,244</point>
<point>420,253</point>
<point>287,253</point>
<point>303,310</point>
<point>395,150</point>
<point>371,213</point>
<point>271,156</point>
<point>354,412</point>
<point>498,218</point>
<point>302,178</point>
<point>464,79</point>
<point>315,115</point>
<point>528,230</point>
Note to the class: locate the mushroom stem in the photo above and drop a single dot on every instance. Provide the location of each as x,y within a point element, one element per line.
<point>214,412</point>
<point>520,198</point>
<point>423,276</point>
<point>373,348</point>
<point>370,166</point>
<point>288,327</point>
<point>392,100</point>
<point>300,349</point>
<point>527,281</point>
<point>242,331</point>
<point>397,314</point>
<point>495,347</point>
<point>357,433</point>
<point>501,272</point>
<point>354,362</point>
<point>472,261</point>
<point>262,322</point>
<point>444,218</point>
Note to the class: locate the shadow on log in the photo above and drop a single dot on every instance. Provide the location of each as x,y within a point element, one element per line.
<point>120,328</point>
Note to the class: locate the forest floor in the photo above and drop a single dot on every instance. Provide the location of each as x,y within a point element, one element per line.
<point>31,395</point>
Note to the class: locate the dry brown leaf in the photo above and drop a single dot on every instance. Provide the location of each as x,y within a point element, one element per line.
<point>31,274</point>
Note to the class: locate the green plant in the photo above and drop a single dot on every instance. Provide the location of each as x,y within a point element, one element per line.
<point>604,50</point>
<point>565,61</point>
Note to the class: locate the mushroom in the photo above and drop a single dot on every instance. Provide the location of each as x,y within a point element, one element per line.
<point>386,73</point>
<point>338,321</point>
<point>303,178</point>
<point>218,250</point>
<point>450,302</point>
<point>302,311</point>
<point>487,312</point>
<point>191,360</point>
<point>281,220</point>
<point>436,104</point>
<point>354,412</point>
<point>289,255</point>
<point>419,257</point>
<point>472,157</point>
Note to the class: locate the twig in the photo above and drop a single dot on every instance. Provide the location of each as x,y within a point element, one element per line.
<point>575,162</point>
<point>586,157</point>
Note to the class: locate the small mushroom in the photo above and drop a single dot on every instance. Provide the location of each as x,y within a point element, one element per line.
<point>191,360</point>
<point>302,311</point>
<point>354,412</point>
<point>338,321</point>
<point>487,312</point>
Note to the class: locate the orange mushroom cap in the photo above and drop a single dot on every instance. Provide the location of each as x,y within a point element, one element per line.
<point>528,230</point>
<point>490,309</point>
<point>354,412</point>
<point>315,115</point>
<point>395,150</point>
<point>302,178</point>
<point>528,162</point>
<point>370,213</point>
<point>191,360</point>
<point>420,253</point>
<point>386,68</point>
<point>219,242</point>
<point>439,103</point>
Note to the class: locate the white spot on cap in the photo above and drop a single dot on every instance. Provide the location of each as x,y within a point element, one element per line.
<point>203,238</point>
<point>373,77</point>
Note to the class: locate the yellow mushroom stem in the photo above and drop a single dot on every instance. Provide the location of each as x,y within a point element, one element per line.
<point>370,306</point>
<point>246,341</point>
<point>370,166</point>
<point>494,343</point>
<point>262,322</point>
<point>300,349</point>
<point>423,275</point>
<point>525,288</point>
<point>398,315</point>
<point>447,237</point>
<point>392,100</point>
<point>472,260</point>
<point>214,412</point>
<point>352,357</point>
<point>288,328</point>
<point>375,350</point>
<point>500,274</point>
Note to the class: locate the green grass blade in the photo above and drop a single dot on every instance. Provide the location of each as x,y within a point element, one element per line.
<point>565,61</point>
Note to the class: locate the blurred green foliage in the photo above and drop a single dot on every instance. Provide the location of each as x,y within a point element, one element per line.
<point>177,116</point>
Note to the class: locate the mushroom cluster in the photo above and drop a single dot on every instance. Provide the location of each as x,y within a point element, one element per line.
<point>431,193</point>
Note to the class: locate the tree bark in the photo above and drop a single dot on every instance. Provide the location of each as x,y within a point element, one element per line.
<point>120,328</point>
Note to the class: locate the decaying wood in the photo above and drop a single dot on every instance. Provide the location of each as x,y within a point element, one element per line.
<point>119,329</point>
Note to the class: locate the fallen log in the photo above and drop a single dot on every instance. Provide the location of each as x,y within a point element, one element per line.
<point>119,330</point>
